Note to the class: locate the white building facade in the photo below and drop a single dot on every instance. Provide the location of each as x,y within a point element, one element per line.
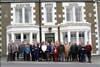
<point>73,28</point>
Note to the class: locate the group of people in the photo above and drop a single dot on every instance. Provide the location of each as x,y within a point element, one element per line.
<point>50,51</point>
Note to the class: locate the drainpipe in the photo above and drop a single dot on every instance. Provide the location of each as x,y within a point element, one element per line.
<point>40,29</point>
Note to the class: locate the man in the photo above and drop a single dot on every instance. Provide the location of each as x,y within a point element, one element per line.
<point>83,52</point>
<point>88,51</point>
<point>10,54</point>
<point>21,49</point>
<point>32,46</point>
<point>79,52</point>
<point>40,52</point>
<point>14,50</point>
<point>61,52</point>
<point>27,51</point>
<point>36,52</point>
<point>74,51</point>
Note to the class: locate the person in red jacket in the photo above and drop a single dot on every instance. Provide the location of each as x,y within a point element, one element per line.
<point>88,51</point>
<point>55,52</point>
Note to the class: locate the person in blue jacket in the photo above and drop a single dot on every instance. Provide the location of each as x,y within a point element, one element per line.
<point>48,51</point>
<point>27,52</point>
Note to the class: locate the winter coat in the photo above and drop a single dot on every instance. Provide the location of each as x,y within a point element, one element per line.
<point>74,49</point>
<point>36,51</point>
<point>61,49</point>
<point>21,48</point>
<point>49,48</point>
<point>83,50</point>
<point>67,50</point>
<point>32,48</point>
<point>88,48</point>
<point>55,52</point>
<point>12,48</point>
<point>44,48</point>
<point>27,49</point>
<point>79,49</point>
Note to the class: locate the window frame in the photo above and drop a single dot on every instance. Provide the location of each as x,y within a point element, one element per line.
<point>73,6</point>
<point>23,13</point>
<point>50,5</point>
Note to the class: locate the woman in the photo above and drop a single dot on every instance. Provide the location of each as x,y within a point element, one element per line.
<point>67,50</point>
<point>44,49</point>
<point>55,52</point>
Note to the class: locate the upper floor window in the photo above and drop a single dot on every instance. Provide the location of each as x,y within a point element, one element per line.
<point>78,13</point>
<point>23,14</point>
<point>74,13</point>
<point>18,15</point>
<point>69,14</point>
<point>49,8</point>
<point>28,14</point>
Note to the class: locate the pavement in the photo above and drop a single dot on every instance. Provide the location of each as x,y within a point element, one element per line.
<point>95,63</point>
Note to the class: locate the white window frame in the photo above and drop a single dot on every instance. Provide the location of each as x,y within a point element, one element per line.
<point>44,21</point>
<point>14,5</point>
<point>65,5</point>
<point>51,6</point>
<point>73,13</point>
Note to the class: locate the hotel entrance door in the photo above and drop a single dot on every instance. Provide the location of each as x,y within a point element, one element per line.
<point>49,37</point>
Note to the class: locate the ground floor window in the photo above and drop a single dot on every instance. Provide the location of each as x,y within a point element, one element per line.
<point>26,37</point>
<point>17,37</point>
<point>34,37</point>
<point>22,37</point>
<point>81,37</point>
<point>73,37</point>
<point>9,35</point>
<point>49,37</point>
<point>65,37</point>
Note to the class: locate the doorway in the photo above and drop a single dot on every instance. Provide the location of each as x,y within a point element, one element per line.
<point>50,37</point>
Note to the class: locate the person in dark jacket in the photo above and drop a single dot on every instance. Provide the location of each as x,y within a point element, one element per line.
<point>10,54</point>
<point>27,52</point>
<point>83,53</point>
<point>48,51</point>
<point>88,51</point>
<point>21,49</point>
<point>40,52</point>
<point>36,52</point>
<point>61,52</point>
<point>32,47</point>
<point>79,52</point>
<point>51,53</point>
<point>74,51</point>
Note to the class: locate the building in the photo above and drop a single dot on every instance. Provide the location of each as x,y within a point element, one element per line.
<point>98,11</point>
<point>62,21</point>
